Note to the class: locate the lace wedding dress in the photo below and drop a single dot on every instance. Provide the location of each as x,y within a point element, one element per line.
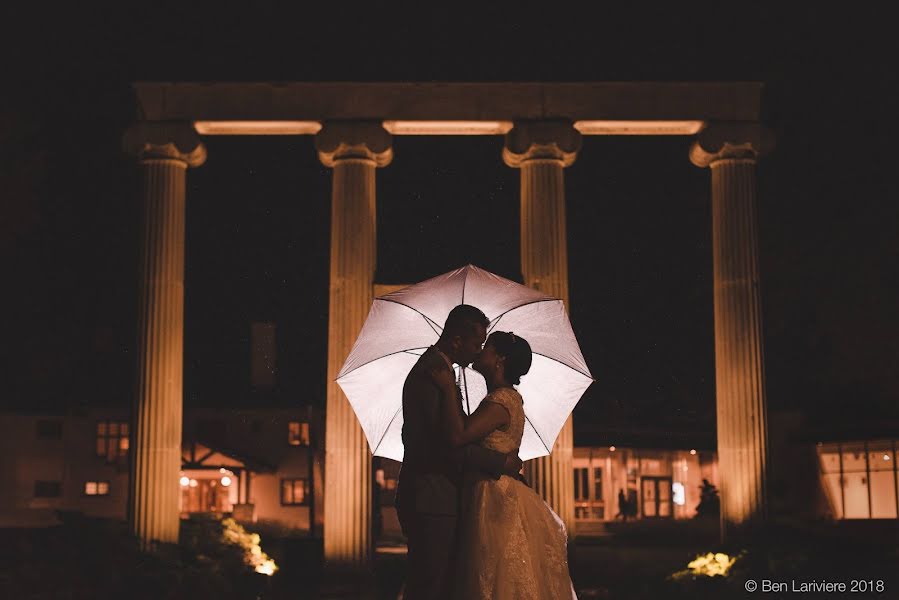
<point>512,546</point>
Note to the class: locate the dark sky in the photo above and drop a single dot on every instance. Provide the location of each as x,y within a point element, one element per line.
<point>638,211</point>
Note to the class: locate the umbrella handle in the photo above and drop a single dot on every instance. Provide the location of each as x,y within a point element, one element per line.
<point>465,383</point>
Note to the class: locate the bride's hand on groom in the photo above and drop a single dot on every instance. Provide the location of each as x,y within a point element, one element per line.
<point>443,377</point>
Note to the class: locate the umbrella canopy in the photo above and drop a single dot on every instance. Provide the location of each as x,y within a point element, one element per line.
<point>403,324</point>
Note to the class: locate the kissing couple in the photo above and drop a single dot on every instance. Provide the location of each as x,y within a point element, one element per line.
<point>475,529</point>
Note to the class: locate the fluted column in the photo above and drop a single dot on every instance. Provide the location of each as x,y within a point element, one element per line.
<point>354,151</point>
<point>165,151</point>
<point>731,151</point>
<point>541,150</point>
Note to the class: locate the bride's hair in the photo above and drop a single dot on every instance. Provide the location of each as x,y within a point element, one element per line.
<point>516,351</point>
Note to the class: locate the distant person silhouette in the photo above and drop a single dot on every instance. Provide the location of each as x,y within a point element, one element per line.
<point>623,506</point>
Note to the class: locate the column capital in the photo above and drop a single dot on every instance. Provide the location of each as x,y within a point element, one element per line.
<point>367,140</point>
<point>731,140</point>
<point>553,140</point>
<point>147,140</point>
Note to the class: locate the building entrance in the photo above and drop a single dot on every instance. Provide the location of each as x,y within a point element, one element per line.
<point>655,497</point>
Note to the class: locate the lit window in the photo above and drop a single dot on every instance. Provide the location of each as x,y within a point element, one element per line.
<point>858,478</point>
<point>96,488</point>
<point>597,483</point>
<point>679,493</point>
<point>298,433</point>
<point>581,491</point>
<point>112,441</point>
<point>294,492</point>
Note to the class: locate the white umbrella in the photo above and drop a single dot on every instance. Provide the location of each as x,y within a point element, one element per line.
<point>403,324</point>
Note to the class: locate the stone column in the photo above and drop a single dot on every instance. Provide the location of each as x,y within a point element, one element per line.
<point>731,151</point>
<point>353,151</point>
<point>541,150</point>
<point>165,151</point>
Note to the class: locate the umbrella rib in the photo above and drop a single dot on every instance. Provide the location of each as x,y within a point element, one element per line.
<point>590,377</point>
<point>540,437</point>
<point>501,315</point>
<point>409,350</point>
<point>464,282</point>
<point>383,435</point>
<point>430,322</point>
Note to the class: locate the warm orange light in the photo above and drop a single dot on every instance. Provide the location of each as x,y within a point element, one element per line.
<point>257,127</point>
<point>448,127</point>
<point>234,533</point>
<point>693,452</point>
<point>184,481</point>
<point>886,457</point>
<point>226,481</point>
<point>638,127</point>
<point>193,483</point>
<point>611,448</point>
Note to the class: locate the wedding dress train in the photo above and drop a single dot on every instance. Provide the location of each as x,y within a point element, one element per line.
<point>512,546</point>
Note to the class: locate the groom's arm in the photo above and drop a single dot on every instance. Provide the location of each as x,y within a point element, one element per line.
<point>473,455</point>
<point>495,464</point>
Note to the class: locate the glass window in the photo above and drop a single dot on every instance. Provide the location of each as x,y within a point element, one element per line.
<point>829,457</point>
<point>853,458</point>
<point>581,487</point>
<point>678,493</point>
<point>96,488</point>
<point>855,482</point>
<point>112,441</point>
<point>294,492</point>
<point>597,483</point>
<point>883,486</point>
<point>649,497</point>
<point>298,433</point>
<point>859,478</point>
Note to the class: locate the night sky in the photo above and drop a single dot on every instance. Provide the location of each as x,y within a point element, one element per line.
<point>638,211</point>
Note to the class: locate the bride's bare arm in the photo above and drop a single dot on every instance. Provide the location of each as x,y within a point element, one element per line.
<point>460,430</point>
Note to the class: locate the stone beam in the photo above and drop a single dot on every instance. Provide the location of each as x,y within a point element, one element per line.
<point>601,102</point>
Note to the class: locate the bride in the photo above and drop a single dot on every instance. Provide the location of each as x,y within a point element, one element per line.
<point>511,544</point>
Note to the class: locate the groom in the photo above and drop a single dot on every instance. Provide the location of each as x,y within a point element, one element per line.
<point>427,495</point>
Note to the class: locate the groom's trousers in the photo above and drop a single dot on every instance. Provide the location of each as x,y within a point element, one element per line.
<point>431,539</point>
